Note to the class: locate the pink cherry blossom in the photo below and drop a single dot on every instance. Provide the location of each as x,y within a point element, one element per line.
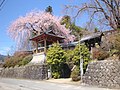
<point>20,29</point>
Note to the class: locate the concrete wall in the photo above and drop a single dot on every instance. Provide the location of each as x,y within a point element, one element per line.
<point>38,72</point>
<point>103,74</point>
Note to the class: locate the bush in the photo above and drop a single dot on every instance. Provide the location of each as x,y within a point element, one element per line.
<point>12,61</point>
<point>8,62</point>
<point>112,43</point>
<point>56,58</point>
<point>75,75</point>
<point>81,52</point>
<point>69,56</point>
<point>56,75</point>
<point>114,52</point>
<point>18,59</point>
<point>25,60</point>
<point>100,54</point>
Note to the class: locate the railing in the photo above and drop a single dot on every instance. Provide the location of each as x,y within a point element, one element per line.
<point>40,49</point>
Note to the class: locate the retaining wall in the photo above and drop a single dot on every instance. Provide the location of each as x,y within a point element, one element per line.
<point>38,72</point>
<point>103,74</point>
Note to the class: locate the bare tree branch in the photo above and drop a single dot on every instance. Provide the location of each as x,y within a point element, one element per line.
<point>108,9</point>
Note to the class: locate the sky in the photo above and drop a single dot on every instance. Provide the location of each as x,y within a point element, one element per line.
<point>13,9</point>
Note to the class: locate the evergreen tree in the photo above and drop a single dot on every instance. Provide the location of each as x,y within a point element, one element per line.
<point>81,52</point>
<point>66,20</point>
<point>56,58</point>
<point>49,9</point>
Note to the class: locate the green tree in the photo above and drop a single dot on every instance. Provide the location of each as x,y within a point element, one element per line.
<point>49,9</point>
<point>56,58</point>
<point>66,20</point>
<point>81,52</point>
<point>96,30</point>
<point>76,30</point>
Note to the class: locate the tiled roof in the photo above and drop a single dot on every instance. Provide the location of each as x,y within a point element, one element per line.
<point>91,36</point>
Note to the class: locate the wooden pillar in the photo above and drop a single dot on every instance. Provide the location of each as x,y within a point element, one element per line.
<point>36,47</point>
<point>45,44</point>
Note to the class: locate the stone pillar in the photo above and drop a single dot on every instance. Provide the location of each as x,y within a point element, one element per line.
<point>45,44</point>
<point>36,47</point>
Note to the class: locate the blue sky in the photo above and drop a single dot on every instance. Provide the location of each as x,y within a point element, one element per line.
<point>14,8</point>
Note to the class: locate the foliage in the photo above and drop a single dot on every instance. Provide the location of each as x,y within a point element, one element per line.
<point>17,60</point>
<point>36,22</point>
<point>66,20</point>
<point>96,30</point>
<point>8,62</point>
<point>75,75</point>
<point>25,60</point>
<point>12,61</point>
<point>116,41</point>
<point>49,9</point>
<point>69,55</point>
<point>56,58</point>
<point>75,30</point>
<point>56,75</point>
<point>111,43</point>
<point>81,52</point>
<point>100,54</point>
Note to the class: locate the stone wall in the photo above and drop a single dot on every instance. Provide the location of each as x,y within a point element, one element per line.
<point>38,72</point>
<point>103,74</point>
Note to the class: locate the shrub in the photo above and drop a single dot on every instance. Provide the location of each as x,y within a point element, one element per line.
<point>112,43</point>
<point>56,75</point>
<point>81,52</point>
<point>69,56</point>
<point>25,60</point>
<point>100,54</point>
<point>18,59</point>
<point>75,75</point>
<point>8,62</point>
<point>56,58</point>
